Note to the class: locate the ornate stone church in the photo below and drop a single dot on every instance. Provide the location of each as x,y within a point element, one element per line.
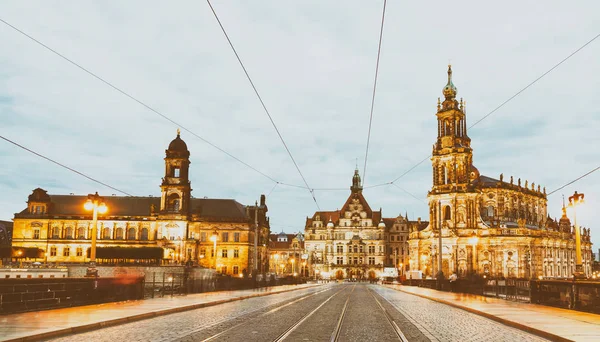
<point>175,224</point>
<point>494,227</point>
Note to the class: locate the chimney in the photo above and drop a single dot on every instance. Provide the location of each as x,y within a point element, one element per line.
<point>419,220</point>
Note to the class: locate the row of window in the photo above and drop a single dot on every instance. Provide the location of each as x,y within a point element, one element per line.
<point>68,233</point>
<point>358,249</point>
<point>355,260</point>
<point>224,252</point>
<point>235,269</point>
<point>204,236</point>
<point>31,276</point>
<point>66,251</point>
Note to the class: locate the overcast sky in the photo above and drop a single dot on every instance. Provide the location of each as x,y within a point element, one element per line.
<point>313,63</point>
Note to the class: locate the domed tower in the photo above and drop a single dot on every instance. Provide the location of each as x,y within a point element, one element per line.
<point>452,156</point>
<point>176,187</point>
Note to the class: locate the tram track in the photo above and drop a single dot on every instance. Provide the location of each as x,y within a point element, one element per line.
<point>389,318</point>
<point>279,307</point>
<point>338,328</point>
<point>223,332</point>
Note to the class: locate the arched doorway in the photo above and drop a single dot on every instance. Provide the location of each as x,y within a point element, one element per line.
<point>372,275</point>
<point>339,274</point>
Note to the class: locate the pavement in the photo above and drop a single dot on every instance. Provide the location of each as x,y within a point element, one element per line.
<point>552,323</point>
<point>349,312</point>
<point>39,325</point>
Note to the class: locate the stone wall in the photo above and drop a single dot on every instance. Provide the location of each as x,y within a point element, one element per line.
<point>150,273</point>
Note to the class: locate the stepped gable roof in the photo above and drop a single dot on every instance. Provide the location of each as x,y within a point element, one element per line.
<point>362,200</point>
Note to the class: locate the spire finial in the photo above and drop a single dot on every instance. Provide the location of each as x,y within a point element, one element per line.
<point>178,132</point>
<point>449,73</point>
<point>449,90</point>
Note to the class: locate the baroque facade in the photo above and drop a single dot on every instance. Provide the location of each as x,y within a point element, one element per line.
<point>176,222</point>
<point>352,242</point>
<point>489,226</point>
<point>286,254</point>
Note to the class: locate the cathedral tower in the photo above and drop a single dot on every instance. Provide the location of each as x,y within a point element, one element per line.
<point>176,187</point>
<point>452,156</point>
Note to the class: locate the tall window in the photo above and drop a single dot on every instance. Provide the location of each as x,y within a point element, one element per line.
<point>225,237</point>
<point>371,260</point>
<point>202,236</point>
<point>371,249</point>
<point>236,253</point>
<point>131,234</point>
<point>212,252</point>
<point>79,251</point>
<point>447,213</point>
<point>52,251</point>
<point>173,202</point>
<point>236,269</point>
<point>81,233</point>
<point>224,253</point>
<point>355,248</point>
<point>224,269</point>
<point>119,234</point>
<point>340,248</point>
<point>144,235</point>
<point>69,233</point>
<point>106,233</point>
<point>176,172</point>
<point>340,260</point>
<point>55,232</point>
<point>36,233</point>
<point>67,251</point>
<point>236,237</point>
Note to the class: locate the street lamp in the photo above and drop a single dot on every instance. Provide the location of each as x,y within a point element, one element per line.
<point>473,241</point>
<point>214,238</point>
<point>94,203</point>
<point>574,201</point>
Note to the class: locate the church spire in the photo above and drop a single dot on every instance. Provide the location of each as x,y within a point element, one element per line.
<point>449,90</point>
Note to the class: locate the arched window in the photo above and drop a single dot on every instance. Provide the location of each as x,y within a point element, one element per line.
<point>131,234</point>
<point>173,202</point>
<point>144,235</point>
<point>106,233</point>
<point>490,211</point>
<point>69,232</point>
<point>447,213</point>
<point>119,234</point>
<point>81,233</point>
<point>55,232</point>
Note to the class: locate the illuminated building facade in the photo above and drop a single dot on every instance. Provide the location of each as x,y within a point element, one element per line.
<point>180,225</point>
<point>489,226</point>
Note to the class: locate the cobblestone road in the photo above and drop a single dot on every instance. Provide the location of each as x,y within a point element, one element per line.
<point>348,312</point>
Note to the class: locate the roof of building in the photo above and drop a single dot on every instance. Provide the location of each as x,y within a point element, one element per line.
<point>72,205</point>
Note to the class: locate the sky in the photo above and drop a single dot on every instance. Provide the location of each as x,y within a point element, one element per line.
<point>313,63</point>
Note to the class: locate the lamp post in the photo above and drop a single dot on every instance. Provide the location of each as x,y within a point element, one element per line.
<point>473,241</point>
<point>575,200</point>
<point>214,238</point>
<point>95,203</point>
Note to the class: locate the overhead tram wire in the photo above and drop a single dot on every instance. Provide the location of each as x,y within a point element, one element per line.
<point>65,166</point>
<point>374,90</point>
<point>573,181</point>
<point>135,99</point>
<point>263,104</point>
<point>511,98</point>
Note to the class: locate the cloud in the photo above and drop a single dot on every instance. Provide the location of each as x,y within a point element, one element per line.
<point>313,63</point>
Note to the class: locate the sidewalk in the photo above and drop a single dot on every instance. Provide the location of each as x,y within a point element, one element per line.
<point>30,326</point>
<point>553,323</point>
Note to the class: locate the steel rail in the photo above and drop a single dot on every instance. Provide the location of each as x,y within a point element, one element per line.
<point>390,319</point>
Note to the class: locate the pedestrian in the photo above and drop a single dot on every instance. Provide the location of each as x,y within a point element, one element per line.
<point>453,279</point>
